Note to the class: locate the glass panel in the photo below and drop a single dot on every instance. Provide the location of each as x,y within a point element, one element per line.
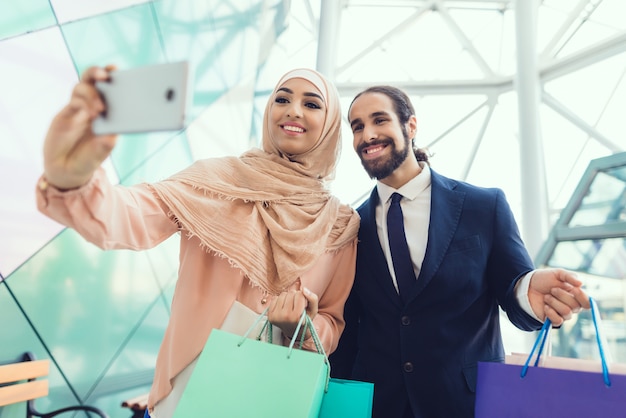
<point>133,365</point>
<point>210,139</point>
<point>605,201</point>
<point>164,263</point>
<point>151,156</point>
<point>221,39</point>
<point>11,411</point>
<point>602,267</point>
<point>20,337</point>
<point>102,314</point>
<point>67,10</point>
<point>127,38</point>
<point>577,337</point>
<point>602,257</point>
<point>87,303</point>
<point>19,17</point>
<point>25,113</point>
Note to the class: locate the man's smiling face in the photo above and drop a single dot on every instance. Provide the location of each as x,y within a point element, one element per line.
<point>379,139</point>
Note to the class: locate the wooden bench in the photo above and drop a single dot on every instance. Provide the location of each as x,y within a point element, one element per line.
<point>26,380</point>
<point>137,405</point>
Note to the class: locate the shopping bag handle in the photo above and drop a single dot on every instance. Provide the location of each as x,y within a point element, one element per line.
<point>543,335</point>
<point>305,323</point>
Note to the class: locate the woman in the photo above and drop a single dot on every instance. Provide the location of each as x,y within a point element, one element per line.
<point>257,230</point>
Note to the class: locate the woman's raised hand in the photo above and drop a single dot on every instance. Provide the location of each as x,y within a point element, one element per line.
<point>72,152</point>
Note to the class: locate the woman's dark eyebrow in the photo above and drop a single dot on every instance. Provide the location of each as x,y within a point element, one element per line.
<point>309,94</point>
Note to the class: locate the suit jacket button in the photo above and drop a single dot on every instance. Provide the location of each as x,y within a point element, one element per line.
<point>408,367</point>
<point>406,320</point>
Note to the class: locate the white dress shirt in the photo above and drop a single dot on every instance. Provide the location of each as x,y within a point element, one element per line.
<point>415,206</point>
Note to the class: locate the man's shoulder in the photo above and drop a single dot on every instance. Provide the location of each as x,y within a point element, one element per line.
<point>363,207</point>
<point>368,202</point>
<point>439,180</point>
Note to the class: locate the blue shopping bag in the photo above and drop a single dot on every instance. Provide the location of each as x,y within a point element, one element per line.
<point>525,391</point>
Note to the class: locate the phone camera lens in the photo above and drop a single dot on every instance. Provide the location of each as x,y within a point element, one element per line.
<point>169,94</point>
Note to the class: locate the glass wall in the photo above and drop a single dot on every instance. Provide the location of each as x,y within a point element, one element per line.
<point>100,316</point>
<point>590,238</point>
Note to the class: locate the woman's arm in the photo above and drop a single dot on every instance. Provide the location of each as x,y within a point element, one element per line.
<point>111,217</point>
<point>331,279</point>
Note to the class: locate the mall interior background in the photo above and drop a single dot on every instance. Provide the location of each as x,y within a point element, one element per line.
<point>525,95</point>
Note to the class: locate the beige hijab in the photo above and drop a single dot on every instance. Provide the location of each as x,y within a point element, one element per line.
<point>270,214</point>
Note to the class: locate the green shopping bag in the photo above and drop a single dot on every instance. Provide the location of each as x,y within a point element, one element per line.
<point>240,377</point>
<point>347,399</point>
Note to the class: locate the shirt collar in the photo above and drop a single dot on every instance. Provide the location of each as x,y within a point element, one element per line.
<point>411,189</point>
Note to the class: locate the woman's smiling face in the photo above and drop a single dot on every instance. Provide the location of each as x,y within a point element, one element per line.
<point>297,116</point>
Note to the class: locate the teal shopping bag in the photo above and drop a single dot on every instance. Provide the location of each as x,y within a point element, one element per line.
<point>347,399</point>
<point>240,377</point>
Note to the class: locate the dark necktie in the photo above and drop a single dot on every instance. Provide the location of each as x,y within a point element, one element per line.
<point>402,265</point>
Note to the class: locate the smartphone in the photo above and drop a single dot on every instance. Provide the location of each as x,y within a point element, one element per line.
<point>144,99</point>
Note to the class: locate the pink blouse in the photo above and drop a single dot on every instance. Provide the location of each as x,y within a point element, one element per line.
<point>118,217</point>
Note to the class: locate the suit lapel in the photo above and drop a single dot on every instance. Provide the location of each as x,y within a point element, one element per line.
<point>445,212</point>
<point>373,252</point>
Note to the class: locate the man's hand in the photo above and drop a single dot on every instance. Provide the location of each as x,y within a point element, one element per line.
<point>556,294</point>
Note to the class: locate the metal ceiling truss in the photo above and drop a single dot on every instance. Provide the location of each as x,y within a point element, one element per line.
<point>528,81</point>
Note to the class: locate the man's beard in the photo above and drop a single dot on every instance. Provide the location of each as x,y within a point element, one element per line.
<point>381,168</point>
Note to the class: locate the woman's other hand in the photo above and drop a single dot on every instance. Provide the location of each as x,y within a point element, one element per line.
<point>286,309</point>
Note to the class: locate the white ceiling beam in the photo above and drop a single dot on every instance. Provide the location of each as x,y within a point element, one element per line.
<point>576,120</point>
<point>330,14</point>
<point>396,30</point>
<point>591,55</point>
<point>562,30</point>
<point>467,44</point>
<point>534,189</point>
<point>555,69</point>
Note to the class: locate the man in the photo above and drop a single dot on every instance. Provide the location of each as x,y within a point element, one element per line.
<point>417,333</point>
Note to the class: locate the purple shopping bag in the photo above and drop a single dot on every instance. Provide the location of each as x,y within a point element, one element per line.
<point>520,391</point>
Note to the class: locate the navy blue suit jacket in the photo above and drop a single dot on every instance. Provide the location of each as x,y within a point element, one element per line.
<point>426,351</point>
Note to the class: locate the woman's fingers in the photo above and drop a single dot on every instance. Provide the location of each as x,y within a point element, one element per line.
<point>93,74</point>
<point>312,302</point>
<point>285,310</point>
<point>288,304</point>
<point>86,96</point>
<point>86,89</point>
<point>71,150</point>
